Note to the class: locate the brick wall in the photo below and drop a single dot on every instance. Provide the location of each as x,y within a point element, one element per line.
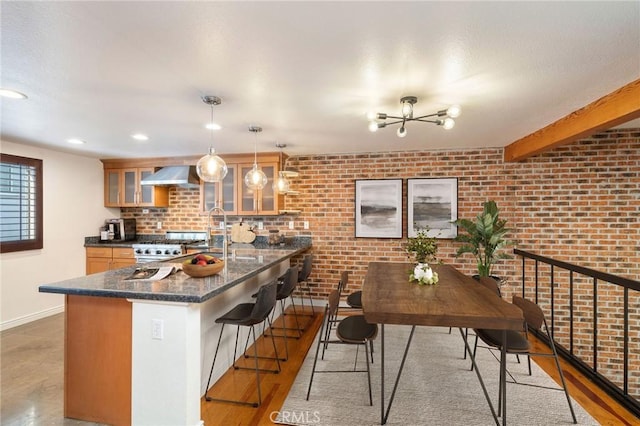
<point>578,203</point>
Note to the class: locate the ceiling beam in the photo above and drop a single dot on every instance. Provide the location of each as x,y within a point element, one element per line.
<point>611,110</point>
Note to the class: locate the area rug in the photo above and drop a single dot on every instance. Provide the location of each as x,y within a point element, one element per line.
<point>436,387</point>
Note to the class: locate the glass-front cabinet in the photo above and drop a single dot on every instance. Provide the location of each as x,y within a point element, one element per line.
<point>123,189</point>
<point>221,194</point>
<point>235,198</point>
<point>262,201</point>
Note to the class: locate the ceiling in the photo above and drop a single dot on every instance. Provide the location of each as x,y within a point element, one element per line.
<point>307,72</point>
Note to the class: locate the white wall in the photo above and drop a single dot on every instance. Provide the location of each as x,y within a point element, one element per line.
<point>73,208</point>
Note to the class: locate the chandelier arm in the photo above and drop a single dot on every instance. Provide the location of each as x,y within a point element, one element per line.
<point>397,118</point>
<point>435,114</point>
<point>426,121</point>
<point>394,122</point>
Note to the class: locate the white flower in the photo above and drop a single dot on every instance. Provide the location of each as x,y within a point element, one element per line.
<point>424,274</point>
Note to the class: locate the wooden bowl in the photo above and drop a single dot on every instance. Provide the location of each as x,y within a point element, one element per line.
<point>199,271</point>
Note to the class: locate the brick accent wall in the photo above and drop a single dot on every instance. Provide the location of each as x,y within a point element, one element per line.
<point>579,203</point>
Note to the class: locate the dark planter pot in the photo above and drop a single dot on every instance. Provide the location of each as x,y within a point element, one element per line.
<point>477,278</point>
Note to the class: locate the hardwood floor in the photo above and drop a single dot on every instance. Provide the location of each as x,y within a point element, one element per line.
<point>31,381</point>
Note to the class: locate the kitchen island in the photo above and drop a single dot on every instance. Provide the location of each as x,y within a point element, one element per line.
<point>136,351</point>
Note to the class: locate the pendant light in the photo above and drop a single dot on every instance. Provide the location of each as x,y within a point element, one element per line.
<point>255,179</point>
<point>211,168</point>
<point>281,184</point>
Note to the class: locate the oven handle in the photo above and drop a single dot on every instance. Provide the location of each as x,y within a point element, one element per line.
<point>151,259</point>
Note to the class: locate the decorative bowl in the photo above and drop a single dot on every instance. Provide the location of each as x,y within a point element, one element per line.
<point>199,271</point>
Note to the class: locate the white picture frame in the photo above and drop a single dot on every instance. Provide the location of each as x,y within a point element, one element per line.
<point>378,208</point>
<point>432,202</point>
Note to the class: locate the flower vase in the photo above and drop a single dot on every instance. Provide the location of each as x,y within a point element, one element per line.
<point>423,274</point>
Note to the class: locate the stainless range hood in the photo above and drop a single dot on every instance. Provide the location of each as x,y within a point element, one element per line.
<point>173,175</point>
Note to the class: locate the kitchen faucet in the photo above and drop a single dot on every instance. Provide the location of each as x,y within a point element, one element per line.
<point>224,234</point>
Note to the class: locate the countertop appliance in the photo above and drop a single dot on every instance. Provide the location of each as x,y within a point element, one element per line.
<point>173,244</point>
<point>121,229</point>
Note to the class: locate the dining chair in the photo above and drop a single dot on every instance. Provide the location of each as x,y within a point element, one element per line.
<point>248,315</point>
<point>352,330</point>
<point>517,342</point>
<point>492,285</point>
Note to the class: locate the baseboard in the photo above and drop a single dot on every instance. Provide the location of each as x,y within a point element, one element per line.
<point>6,325</point>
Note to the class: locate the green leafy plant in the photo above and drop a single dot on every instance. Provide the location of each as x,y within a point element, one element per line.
<point>484,237</point>
<point>422,247</point>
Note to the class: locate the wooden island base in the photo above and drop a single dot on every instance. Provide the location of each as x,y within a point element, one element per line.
<point>97,360</point>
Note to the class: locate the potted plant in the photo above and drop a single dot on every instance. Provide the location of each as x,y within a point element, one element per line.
<point>484,237</point>
<point>422,247</point>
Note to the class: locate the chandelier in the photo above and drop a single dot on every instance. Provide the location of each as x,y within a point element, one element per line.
<point>442,118</point>
<point>255,179</point>
<point>211,168</point>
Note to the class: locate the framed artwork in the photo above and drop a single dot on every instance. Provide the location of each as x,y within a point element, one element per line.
<point>432,203</point>
<point>379,208</point>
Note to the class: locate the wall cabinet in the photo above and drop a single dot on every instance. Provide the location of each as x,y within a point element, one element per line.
<point>235,198</point>
<point>101,259</point>
<point>123,189</point>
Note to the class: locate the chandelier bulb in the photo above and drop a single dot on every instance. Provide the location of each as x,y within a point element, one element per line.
<point>448,123</point>
<point>454,111</point>
<point>402,132</point>
<point>407,110</point>
<point>373,126</point>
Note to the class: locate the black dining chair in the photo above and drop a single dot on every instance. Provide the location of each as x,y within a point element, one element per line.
<point>518,343</point>
<point>248,315</point>
<point>352,330</point>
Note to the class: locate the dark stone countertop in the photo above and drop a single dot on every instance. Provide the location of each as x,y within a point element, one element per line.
<point>178,287</point>
<point>260,243</point>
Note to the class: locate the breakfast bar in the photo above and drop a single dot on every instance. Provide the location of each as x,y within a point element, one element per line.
<point>135,349</point>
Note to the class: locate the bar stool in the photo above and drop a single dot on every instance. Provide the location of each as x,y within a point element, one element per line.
<point>303,277</point>
<point>285,290</point>
<point>248,315</point>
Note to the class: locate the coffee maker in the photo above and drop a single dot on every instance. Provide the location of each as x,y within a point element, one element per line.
<point>119,230</point>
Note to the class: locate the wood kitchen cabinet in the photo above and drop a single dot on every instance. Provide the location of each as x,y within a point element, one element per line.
<point>235,198</point>
<point>101,259</point>
<point>221,194</point>
<point>263,201</point>
<point>123,189</point>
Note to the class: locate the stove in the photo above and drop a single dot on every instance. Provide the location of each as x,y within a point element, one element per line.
<point>173,244</point>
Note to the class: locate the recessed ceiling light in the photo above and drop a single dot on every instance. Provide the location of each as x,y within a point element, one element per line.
<point>213,126</point>
<point>140,137</point>
<point>76,141</point>
<point>8,93</point>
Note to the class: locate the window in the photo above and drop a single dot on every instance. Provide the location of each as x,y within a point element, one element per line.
<point>20,203</point>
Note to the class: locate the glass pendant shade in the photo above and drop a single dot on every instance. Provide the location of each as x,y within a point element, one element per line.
<point>281,184</point>
<point>211,168</point>
<point>255,178</point>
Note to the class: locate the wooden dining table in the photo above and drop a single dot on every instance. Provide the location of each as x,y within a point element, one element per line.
<point>457,300</point>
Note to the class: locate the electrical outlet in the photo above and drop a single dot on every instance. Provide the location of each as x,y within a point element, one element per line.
<point>157,329</point>
<point>291,225</point>
<point>159,225</point>
<point>260,225</point>
<point>145,211</point>
<point>305,224</point>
